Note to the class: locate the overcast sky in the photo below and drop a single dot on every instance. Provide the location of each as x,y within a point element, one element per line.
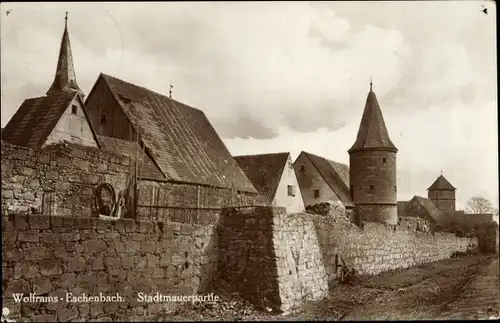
<point>290,76</point>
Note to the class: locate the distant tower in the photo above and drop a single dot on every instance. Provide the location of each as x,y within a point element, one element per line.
<point>65,79</point>
<point>372,161</point>
<point>442,193</point>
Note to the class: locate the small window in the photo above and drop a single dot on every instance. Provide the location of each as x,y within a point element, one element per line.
<point>291,190</point>
<point>316,194</point>
<point>395,188</point>
<point>384,160</point>
<point>103,118</point>
<point>372,188</point>
<point>74,109</point>
<point>302,168</point>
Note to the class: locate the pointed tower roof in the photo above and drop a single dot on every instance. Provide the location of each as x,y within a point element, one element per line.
<point>441,183</point>
<point>65,79</point>
<point>372,131</point>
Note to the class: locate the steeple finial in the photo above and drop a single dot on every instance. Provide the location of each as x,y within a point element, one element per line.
<point>170,92</point>
<point>441,172</point>
<point>371,84</point>
<point>65,79</point>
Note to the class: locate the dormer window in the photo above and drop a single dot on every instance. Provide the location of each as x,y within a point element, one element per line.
<point>316,194</point>
<point>103,118</point>
<point>74,109</point>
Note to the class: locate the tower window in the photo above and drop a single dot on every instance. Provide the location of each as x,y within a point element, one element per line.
<point>384,160</point>
<point>316,194</point>
<point>74,109</point>
<point>372,188</point>
<point>291,190</point>
<point>103,118</point>
<point>302,169</point>
<point>395,188</point>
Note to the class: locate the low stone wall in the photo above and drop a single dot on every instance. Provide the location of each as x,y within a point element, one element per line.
<point>53,256</point>
<point>378,247</point>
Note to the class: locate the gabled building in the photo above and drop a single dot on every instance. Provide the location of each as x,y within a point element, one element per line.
<point>322,180</point>
<point>177,138</point>
<point>442,193</point>
<point>274,178</point>
<point>420,207</point>
<point>59,116</point>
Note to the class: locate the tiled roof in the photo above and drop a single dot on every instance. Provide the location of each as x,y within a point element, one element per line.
<point>149,169</point>
<point>36,118</point>
<point>264,171</point>
<point>430,208</point>
<point>180,138</point>
<point>372,131</point>
<point>335,174</point>
<point>441,183</point>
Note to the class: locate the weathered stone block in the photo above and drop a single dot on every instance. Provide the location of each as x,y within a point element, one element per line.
<point>52,175</point>
<point>51,267</point>
<point>67,314</point>
<point>42,285</point>
<point>25,270</point>
<point>39,221</point>
<point>83,223</point>
<point>38,253</point>
<point>76,264</point>
<point>28,236</point>
<point>94,246</point>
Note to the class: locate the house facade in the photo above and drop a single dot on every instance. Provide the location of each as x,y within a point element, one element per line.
<point>273,176</point>
<point>322,180</point>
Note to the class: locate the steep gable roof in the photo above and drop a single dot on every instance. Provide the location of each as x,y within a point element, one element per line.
<point>336,175</point>
<point>429,207</point>
<point>372,131</point>
<point>131,149</point>
<point>36,118</point>
<point>180,138</point>
<point>264,171</point>
<point>441,183</point>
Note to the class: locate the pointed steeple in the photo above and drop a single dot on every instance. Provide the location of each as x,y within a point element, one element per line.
<point>372,131</point>
<point>65,79</point>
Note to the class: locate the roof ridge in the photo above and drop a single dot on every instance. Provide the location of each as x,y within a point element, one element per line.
<point>149,90</point>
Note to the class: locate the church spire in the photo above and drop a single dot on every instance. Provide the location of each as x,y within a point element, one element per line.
<point>372,131</point>
<point>65,79</point>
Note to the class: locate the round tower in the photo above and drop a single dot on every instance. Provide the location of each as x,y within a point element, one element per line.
<point>372,170</point>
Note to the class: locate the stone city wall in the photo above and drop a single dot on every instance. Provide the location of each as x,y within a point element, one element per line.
<point>52,256</point>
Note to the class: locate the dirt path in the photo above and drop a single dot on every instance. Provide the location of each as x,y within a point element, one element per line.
<point>457,288</point>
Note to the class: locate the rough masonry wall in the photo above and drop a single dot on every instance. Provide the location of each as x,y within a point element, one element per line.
<point>51,256</point>
<point>271,257</point>
<point>71,171</point>
<point>378,247</point>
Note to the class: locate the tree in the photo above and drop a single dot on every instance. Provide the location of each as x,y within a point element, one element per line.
<point>479,205</point>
